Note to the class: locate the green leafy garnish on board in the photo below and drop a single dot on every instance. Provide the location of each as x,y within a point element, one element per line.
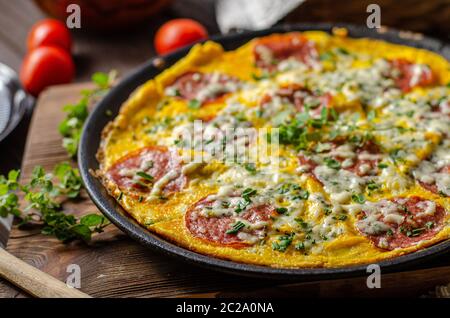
<point>71,127</point>
<point>44,196</point>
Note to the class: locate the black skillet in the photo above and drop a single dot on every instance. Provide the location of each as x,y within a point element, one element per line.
<point>114,99</point>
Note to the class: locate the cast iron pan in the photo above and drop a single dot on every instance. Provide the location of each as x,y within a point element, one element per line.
<point>113,100</point>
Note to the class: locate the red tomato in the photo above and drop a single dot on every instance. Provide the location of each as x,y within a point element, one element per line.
<point>178,33</point>
<point>49,32</point>
<point>45,66</point>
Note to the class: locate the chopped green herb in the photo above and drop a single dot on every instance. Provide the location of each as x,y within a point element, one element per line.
<point>300,246</point>
<point>303,224</point>
<point>250,167</point>
<point>144,175</point>
<point>194,104</point>
<point>358,198</point>
<point>429,225</point>
<point>341,50</point>
<point>263,76</point>
<point>332,163</point>
<point>283,242</point>
<point>236,227</point>
<point>248,192</point>
<point>396,155</point>
<point>372,185</point>
<point>281,210</point>
<point>326,56</point>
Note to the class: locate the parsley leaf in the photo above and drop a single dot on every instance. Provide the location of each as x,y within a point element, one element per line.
<point>44,206</point>
<point>71,127</point>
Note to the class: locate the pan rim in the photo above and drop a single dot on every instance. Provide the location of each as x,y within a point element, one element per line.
<point>90,140</point>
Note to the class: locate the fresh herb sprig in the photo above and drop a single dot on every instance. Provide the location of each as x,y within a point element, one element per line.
<point>44,200</point>
<point>70,128</point>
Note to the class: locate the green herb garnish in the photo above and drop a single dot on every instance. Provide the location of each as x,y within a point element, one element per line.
<point>358,198</point>
<point>236,227</point>
<point>144,175</point>
<point>71,127</point>
<point>283,242</point>
<point>194,104</point>
<point>332,163</point>
<point>44,207</point>
<point>281,210</point>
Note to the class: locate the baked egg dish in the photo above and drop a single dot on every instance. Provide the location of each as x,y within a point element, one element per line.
<point>296,150</point>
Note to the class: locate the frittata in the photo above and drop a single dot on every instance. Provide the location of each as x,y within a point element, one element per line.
<point>303,149</point>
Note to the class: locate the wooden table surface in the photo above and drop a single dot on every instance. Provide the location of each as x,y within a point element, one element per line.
<point>114,265</point>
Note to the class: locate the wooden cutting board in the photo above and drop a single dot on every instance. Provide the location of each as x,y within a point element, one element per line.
<point>115,266</point>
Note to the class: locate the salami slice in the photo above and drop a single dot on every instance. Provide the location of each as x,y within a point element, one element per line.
<point>366,160</point>
<point>362,160</point>
<point>432,186</point>
<point>302,98</point>
<point>401,222</point>
<point>218,229</point>
<point>271,50</point>
<point>202,87</point>
<point>140,170</point>
<point>441,107</point>
<point>408,75</point>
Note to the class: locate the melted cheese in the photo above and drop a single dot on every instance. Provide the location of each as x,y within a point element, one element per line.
<point>317,220</point>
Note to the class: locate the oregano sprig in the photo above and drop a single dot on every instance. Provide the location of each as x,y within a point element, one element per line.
<point>71,127</point>
<point>44,195</point>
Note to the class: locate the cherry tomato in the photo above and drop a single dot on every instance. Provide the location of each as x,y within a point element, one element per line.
<point>45,66</point>
<point>49,32</point>
<point>178,33</point>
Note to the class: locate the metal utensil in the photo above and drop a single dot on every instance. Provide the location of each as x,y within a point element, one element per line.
<point>14,103</point>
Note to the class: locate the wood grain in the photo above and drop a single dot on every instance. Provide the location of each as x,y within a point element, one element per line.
<point>34,281</point>
<point>115,266</point>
